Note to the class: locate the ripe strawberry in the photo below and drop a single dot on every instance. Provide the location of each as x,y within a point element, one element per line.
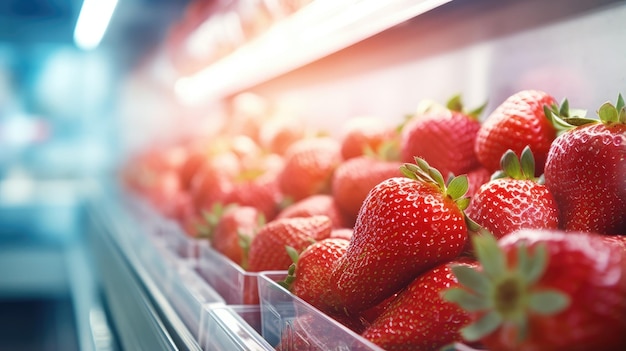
<point>518,122</point>
<point>444,137</point>
<point>354,178</point>
<point>545,290</point>
<point>268,249</point>
<point>514,199</point>
<point>309,276</point>
<point>234,232</point>
<point>320,204</point>
<point>260,193</point>
<point>365,135</point>
<point>406,226</point>
<point>586,171</point>
<point>419,318</point>
<point>475,179</point>
<point>214,180</point>
<point>309,166</point>
<point>342,233</point>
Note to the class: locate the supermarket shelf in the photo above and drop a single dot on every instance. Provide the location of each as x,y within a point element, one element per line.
<point>143,316</point>
<point>317,30</point>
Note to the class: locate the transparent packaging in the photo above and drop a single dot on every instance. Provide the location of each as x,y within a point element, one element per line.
<point>293,324</point>
<point>233,327</point>
<point>189,294</point>
<point>236,285</point>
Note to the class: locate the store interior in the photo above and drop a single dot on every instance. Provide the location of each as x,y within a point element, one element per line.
<point>72,112</point>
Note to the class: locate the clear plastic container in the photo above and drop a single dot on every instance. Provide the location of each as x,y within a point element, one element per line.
<point>296,325</point>
<point>236,285</point>
<point>177,240</point>
<point>189,294</point>
<point>231,328</point>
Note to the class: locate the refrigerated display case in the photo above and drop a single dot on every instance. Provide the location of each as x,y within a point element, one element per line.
<point>139,282</point>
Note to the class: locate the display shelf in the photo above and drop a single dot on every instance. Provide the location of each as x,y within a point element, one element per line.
<point>144,318</point>
<point>158,299</point>
<point>315,31</point>
<point>291,322</point>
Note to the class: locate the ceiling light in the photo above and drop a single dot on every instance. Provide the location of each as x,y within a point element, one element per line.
<point>92,22</point>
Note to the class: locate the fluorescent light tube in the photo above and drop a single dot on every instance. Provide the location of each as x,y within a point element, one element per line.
<point>92,23</point>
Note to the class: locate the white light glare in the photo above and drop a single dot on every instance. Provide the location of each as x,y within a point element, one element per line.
<point>92,22</point>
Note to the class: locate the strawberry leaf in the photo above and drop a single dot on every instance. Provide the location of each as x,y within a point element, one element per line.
<point>470,302</point>
<point>510,164</point>
<point>476,281</point>
<point>527,161</point>
<point>293,253</point>
<point>455,103</point>
<point>608,113</point>
<point>548,302</point>
<point>489,254</point>
<point>483,326</point>
<point>537,265</point>
<point>457,187</point>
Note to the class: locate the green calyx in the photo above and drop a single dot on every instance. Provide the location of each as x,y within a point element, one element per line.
<point>613,114</point>
<point>209,220</point>
<point>521,168</point>
<point>291,276</point>
<point>456,104</point>
<point>563,118</point>
<point>455,188</point>
<point>502,293</point>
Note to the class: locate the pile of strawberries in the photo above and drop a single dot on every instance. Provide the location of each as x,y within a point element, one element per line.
<point>507,233</point>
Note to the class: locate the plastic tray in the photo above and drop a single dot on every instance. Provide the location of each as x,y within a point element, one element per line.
<point>232,328</point>
<point>189,294</point>
<point>177,240</point>
<point>237,286</point>
<point>282,313</point>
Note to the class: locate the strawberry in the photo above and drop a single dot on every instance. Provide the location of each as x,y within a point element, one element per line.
<point>320,204</point>
<point>518,122</point>
<point>309,276</point>
<point>354,178</point>
<point>545,290</point>
<point>268,249</point>
<point>234,232</point>
<point>444,137</point>
<point>214,179</point>
<point>419,318</point>
<point>475,179</point>
<point>406,226</point>
<point>514,198</point>
<point>366,134</point>
<point>309,166</point>
<point>343,233</point>
<point>258,192</point>
<point>586,170</point>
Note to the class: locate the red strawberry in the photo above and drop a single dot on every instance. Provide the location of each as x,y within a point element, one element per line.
<point>365,135</point>
<point>419,318</point>
<point>342,233</point>
<point>475,179</point>
<point>586,171</point>
<point>214,180</point>
<point>514,199</point>
<point>545,290</point>
<point>309,166</point>
<point>309,277</point>
<point>518,122</point>
<point>405,227</point>
<point>268,249</point>
<point>234,232</point>
<point>320,204</point>
<point>261,193</point>
<point>444,137</point>
<point>354,178</point>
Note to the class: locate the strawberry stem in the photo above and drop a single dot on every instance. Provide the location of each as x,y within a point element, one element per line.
<point>503,292</point>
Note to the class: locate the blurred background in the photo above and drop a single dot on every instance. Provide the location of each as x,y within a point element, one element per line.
<point>58,129</point>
